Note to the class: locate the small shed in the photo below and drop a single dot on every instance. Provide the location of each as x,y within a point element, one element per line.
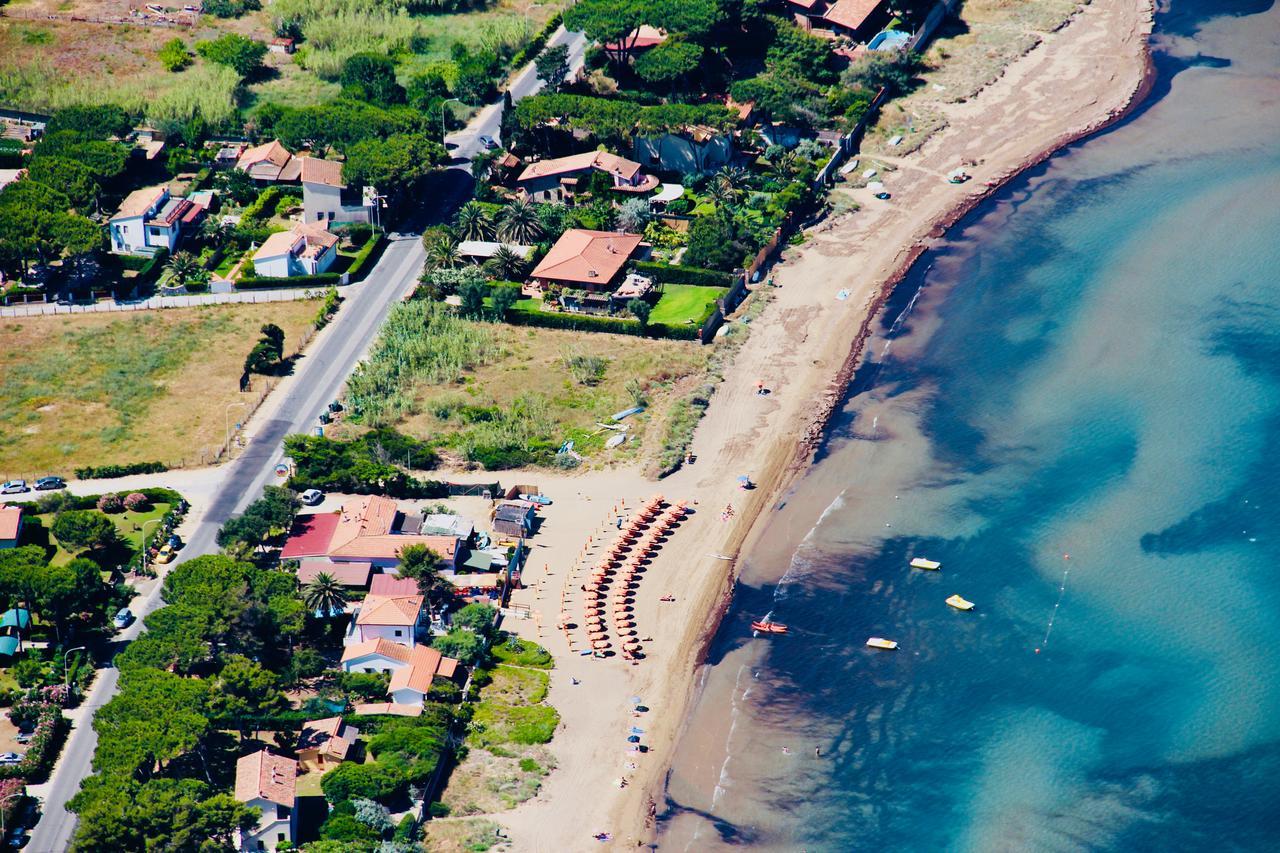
<point>513,518</point>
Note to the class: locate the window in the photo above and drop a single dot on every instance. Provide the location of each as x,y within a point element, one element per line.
<point>386,672</point>
<point>399,633</point>
<point>282,812</point>
<point>279,837</point>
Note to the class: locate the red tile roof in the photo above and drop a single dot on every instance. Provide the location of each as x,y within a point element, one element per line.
<point>317,171</point>
<point>382,647</point>
<point>373,708</point>
<point>10,522</point>
<point>600,160</point>
<point>267,776</point>
<point>310,536</point>
<point>587,257</point>
<point>328,737</point>
<point>390,610</point>
<point>851,14</point>
<point>424,665</point>
<point>347,574</point>
<point>384,584</point>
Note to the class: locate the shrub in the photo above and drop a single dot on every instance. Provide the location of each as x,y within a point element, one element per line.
<point>368,781</point>
<point>265,201</point>
<point>267,282</point>
<point>136,502</point>
<point>674,274</point>
<point>370,686</point>
<point>367,257</point>
<point>110,503</point>
<point>103,472</point>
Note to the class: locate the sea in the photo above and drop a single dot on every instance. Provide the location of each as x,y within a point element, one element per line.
<point>1073,403</point>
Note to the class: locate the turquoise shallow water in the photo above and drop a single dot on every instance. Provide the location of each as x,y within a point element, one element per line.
<point>1074,404</point>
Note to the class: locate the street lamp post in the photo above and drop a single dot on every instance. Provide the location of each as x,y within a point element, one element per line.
<point>66,677</point>
<point>226,419</point>
<point>144,541</point>
<point>444,104</point>
<point>3,800</point>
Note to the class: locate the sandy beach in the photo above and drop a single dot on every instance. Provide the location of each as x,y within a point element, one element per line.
<point>803,348</point>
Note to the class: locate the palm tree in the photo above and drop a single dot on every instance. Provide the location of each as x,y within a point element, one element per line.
<point>473,222</point>
<point>442,253</point>
<point>506,264</point>
<point>324,595</point>
<point>183,267</point>
<point>728,184</point>
<point>785,165</point>
<point>520,223</point>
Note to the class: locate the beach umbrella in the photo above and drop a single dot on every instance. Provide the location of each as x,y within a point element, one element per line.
<point>600,644</point>
<point>625,623</point>
<point>631,646</point>
<point>627,632</point>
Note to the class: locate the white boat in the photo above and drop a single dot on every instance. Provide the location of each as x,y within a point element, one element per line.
<point>881,643</point>
<point>960,603</point>
<point>927,565</point>
<point>616,440</point>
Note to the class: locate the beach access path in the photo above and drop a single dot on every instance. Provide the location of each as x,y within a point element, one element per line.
<point>803,347</point>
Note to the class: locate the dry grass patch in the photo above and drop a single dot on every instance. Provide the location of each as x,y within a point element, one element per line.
<point>485,783</point>
<point>463,836</point>
<point>116,388</point>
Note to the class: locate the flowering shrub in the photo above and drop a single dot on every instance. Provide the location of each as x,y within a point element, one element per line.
<point>10,798</point>
<point>50,728</point>
<point>110,503</point>
<point>136,502</point>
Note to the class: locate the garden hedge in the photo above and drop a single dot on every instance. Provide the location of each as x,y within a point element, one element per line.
<point>592,323</point>
<point>672,274</point>
<point>103,472</point>
<point>266,199</point>
<point>269,283</point>
<point>367,256</point>
<point>534,47</point>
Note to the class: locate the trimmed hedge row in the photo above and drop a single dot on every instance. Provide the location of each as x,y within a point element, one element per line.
<point>671,274</point>
<point>533,48</point>
<point>103,472</point>
<point>258,282</point>
<point>367,256</point>
<point>593,323</point>
<point>269,196</point>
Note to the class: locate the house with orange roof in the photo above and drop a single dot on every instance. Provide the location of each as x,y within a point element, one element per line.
<point>268,782</point>
<point>410,684</point>
<point>323,743</point>
<point>557,179</point>
<point>859,19</point>
<point>586,260</point>
<point>326,196</point>
<point>368,529</point>
<point>309,249</point>
<point>397,618</point>
<point>10,526</point>
<point>270,162</point>
<point>374,656</point>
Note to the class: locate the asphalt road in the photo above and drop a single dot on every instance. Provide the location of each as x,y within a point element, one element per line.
<point>318,378</point>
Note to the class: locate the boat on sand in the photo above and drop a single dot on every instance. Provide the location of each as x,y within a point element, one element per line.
<point>927,565</point>
<point>960,603</point>
<point>881,643</point>
<point>766,627</point>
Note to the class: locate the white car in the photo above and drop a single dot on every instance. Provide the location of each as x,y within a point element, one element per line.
<point>311,497</point>
<point>123,618</point>
<point>14,487</point>
<point>487,141</point>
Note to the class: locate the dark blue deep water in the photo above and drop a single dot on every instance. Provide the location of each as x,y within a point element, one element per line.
<point>1073,403</point>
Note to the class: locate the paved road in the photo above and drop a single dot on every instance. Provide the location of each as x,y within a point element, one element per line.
<point>318,378</point>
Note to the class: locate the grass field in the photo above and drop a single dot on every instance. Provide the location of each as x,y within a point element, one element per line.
<point>684,304</point>
<point>130,525</point>
<point>547,374</point>
<point>112,388</point>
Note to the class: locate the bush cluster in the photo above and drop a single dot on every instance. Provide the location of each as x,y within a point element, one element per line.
<point>106,472</point>
<point>674,274</point>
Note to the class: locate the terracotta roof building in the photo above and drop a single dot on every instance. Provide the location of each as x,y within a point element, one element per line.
<point>552,180</point>
<point>392,708</point>
<point>268,781</point>
<point>309,249</point>
<point>347,574</point>
<point>855,17</point>
<point>377,647</point>
<point>10,526</point>
<point>410,684</point>
<point>270,162</point>
<point>384,584</point>
<point>326,740</point>
<point>586,260</point>
<point>366,529</point>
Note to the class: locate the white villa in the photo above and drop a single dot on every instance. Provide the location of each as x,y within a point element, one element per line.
<point>309,249</point>
<point>268,781</point>
<point>150,219</point>
<point>325,197</point>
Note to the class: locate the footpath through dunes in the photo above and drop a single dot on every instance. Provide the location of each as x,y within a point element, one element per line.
<point>1079,79</point>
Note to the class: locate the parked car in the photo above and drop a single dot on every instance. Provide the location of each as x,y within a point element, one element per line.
<point>175,541</point>
<point>16,838</point>
<point>167,553</point>
<point>45,483</point>
<point>312,497</point>
<point>10,758</point>
<point>487,141</point>
<point>14,487</point>
<point>123,618</point>
<point>25,737</point>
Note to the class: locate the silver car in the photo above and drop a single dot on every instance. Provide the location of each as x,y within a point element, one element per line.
<point>14,487</point>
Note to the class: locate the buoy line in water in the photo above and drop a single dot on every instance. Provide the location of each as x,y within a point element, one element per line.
<point>1062,591</point>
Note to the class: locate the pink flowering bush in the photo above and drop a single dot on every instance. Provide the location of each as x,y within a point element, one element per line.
<point>136,502</point>
<point>110,503</point>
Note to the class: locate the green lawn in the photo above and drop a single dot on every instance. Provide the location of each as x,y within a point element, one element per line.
<point>682,304</point>
<point>128,524</point>
<point>228,262</point>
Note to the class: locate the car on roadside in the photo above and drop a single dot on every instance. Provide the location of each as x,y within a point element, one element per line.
<point>8,759</point>
<point>14,487</point>
<point>166,554</point>
<point>16,838</point>
<point>123,618</point>
<point>175,541</point>
<point>25,737</point>
<point>46,483</point>
<point>487,141</point>
<point>311,497</point>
